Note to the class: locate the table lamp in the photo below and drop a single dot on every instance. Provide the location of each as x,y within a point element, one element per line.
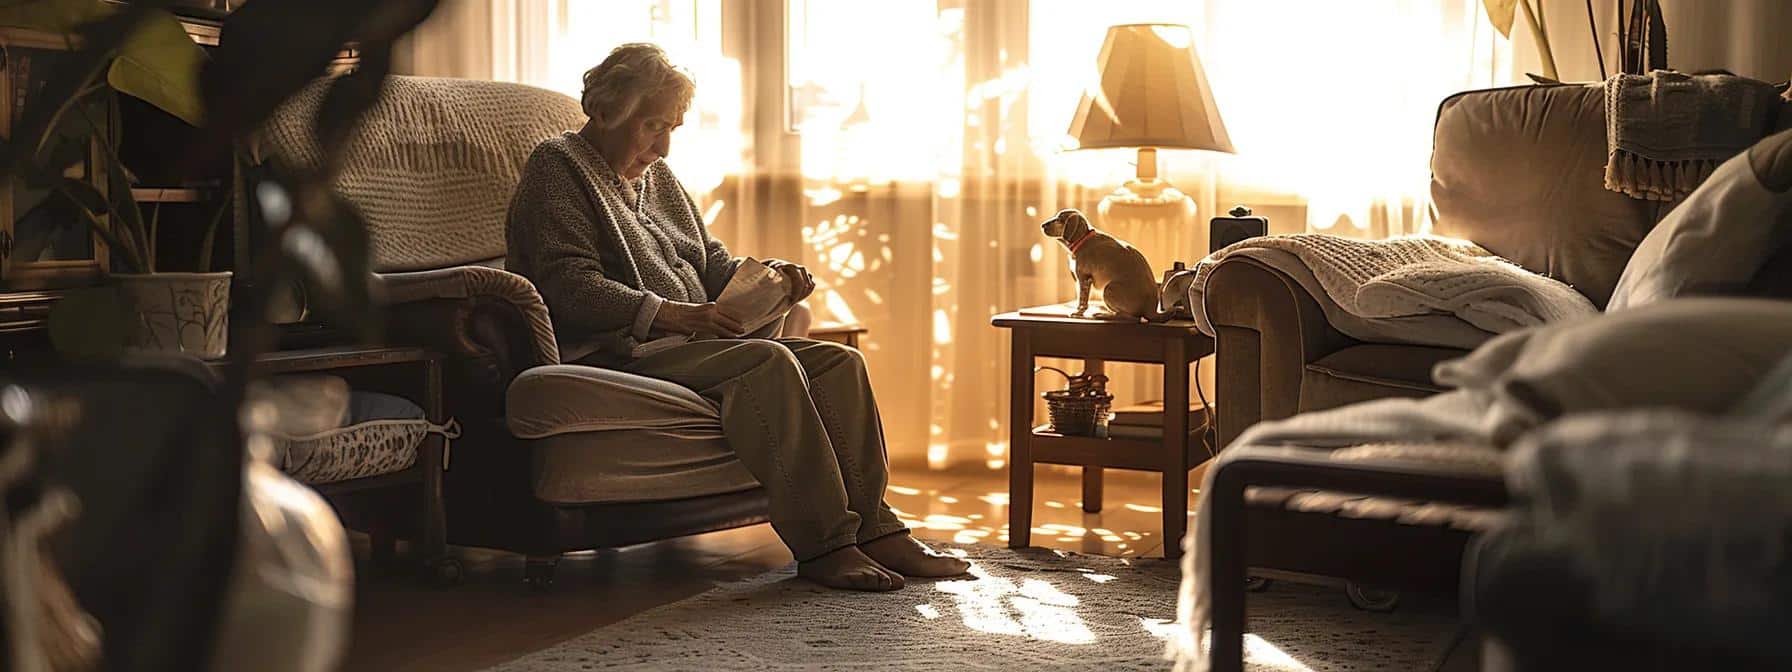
<point>1153,93</point>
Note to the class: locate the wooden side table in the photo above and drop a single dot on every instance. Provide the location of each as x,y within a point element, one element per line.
<point>843,333</point>
<point>1174,345</point>
<point>413,373</point>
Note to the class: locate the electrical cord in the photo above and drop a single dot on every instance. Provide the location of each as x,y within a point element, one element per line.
<point>1207,420</point>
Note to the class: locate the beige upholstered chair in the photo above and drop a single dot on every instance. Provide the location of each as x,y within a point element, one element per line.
<point>554,457</point>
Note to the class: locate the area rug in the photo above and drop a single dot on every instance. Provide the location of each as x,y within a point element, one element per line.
<point>1026,609</point>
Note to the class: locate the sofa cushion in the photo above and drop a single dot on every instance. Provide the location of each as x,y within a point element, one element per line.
<point>1695,354</point>
<point>635,465</point>
<point>600,435</point>
<point>1521,171</point>
<point>569,398</point>
<point>1716,240</point>
<point>1371,371</point>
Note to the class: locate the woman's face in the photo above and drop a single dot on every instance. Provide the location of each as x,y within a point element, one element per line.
<point>643,138</point>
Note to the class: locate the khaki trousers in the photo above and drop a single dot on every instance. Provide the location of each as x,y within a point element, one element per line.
<point>800,415</point>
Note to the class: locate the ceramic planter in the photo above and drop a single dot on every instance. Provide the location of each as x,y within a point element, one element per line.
<point>177,312</point>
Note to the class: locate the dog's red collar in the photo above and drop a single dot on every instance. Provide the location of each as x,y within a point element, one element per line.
<point>1081,239</point>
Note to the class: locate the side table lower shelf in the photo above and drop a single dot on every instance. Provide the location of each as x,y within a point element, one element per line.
<point>1136,453</point>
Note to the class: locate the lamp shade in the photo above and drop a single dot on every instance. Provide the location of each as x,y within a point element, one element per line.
<point>1153,93</point>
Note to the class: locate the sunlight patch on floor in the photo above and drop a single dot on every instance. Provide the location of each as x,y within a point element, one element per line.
<point>1264,655</point>
<point>1031,608</point>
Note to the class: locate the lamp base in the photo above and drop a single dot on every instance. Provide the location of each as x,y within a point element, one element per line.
<point>1149,200</point>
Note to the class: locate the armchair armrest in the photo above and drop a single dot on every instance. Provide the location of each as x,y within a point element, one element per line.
<point>490,320</point>
<point>1249,466</point>
<point>1267,329</point>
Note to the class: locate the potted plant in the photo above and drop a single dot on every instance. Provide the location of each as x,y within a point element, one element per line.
<point>156,62</point>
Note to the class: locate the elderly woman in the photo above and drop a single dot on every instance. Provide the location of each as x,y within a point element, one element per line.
<point>619,254</point>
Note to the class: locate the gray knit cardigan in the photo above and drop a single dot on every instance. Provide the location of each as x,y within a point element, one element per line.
<point>603,259</point>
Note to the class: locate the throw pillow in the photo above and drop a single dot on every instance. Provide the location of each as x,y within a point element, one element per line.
<point>1716,240</point>
<point>1694,354</point>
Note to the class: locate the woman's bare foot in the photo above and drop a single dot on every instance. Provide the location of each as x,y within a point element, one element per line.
<point>848,568</point>
<point>904,554</point>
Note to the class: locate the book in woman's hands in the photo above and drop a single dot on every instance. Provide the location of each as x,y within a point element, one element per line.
<point>756,295</point>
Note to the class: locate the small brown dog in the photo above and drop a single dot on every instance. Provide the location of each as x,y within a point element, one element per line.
<point>1127,286</point>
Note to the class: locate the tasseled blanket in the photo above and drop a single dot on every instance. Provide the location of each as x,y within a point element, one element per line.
<point>1666,131</point>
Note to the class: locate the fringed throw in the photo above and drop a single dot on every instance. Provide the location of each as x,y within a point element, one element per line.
<point>1666,131</point>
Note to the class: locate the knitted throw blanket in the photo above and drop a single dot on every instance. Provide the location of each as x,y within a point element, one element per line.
<point>1408,277</point>
<point>1666,131</point>
<point>432,165</point>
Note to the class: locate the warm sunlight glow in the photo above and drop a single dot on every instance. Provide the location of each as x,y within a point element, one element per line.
<point>936,456</point>
<point>1264,655</point>
<point>1032,608</point>
<point>837,307</point>
<point>1175,36</point>
<point>944,126</point>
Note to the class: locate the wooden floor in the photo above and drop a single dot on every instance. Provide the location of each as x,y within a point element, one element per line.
<point>491,618</point>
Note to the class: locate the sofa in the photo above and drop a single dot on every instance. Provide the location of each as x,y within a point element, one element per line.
<point>1518,170</point>
<point>553,457</point>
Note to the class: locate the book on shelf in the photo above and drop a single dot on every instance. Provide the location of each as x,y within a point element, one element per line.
<point>1151,414</point>
<point>1134,432</point>
<point>756,295</point>
<point>1143,432</point>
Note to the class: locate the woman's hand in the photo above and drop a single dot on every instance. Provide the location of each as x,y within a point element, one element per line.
<point>678,317</point>
<point>802,284</point>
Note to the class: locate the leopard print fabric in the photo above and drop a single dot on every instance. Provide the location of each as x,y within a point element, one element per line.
<point>374,448</point>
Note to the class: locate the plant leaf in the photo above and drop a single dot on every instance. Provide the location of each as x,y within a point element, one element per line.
<point>159,64</point>
<point>68,79</point>
<point>334,257</point>
<point>1500,13</point>
<point>84,194</point>
<point>269,50</point>
<point>104,231</point>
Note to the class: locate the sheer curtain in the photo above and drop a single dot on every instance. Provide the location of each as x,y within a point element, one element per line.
<point>907,150</point>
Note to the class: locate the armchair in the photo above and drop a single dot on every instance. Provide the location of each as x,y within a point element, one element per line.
<point>553,457</point>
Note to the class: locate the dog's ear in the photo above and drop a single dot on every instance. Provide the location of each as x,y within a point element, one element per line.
<point>1075,225</point>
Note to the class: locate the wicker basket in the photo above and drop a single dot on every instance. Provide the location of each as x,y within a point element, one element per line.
<point>1079,410</point>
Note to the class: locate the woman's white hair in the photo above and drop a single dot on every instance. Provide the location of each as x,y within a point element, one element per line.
<point>633,73</point>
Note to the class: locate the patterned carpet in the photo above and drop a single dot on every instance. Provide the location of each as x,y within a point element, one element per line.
<point>1028,609</point>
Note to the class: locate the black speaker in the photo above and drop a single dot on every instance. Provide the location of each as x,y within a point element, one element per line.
<point>1241,225</point>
